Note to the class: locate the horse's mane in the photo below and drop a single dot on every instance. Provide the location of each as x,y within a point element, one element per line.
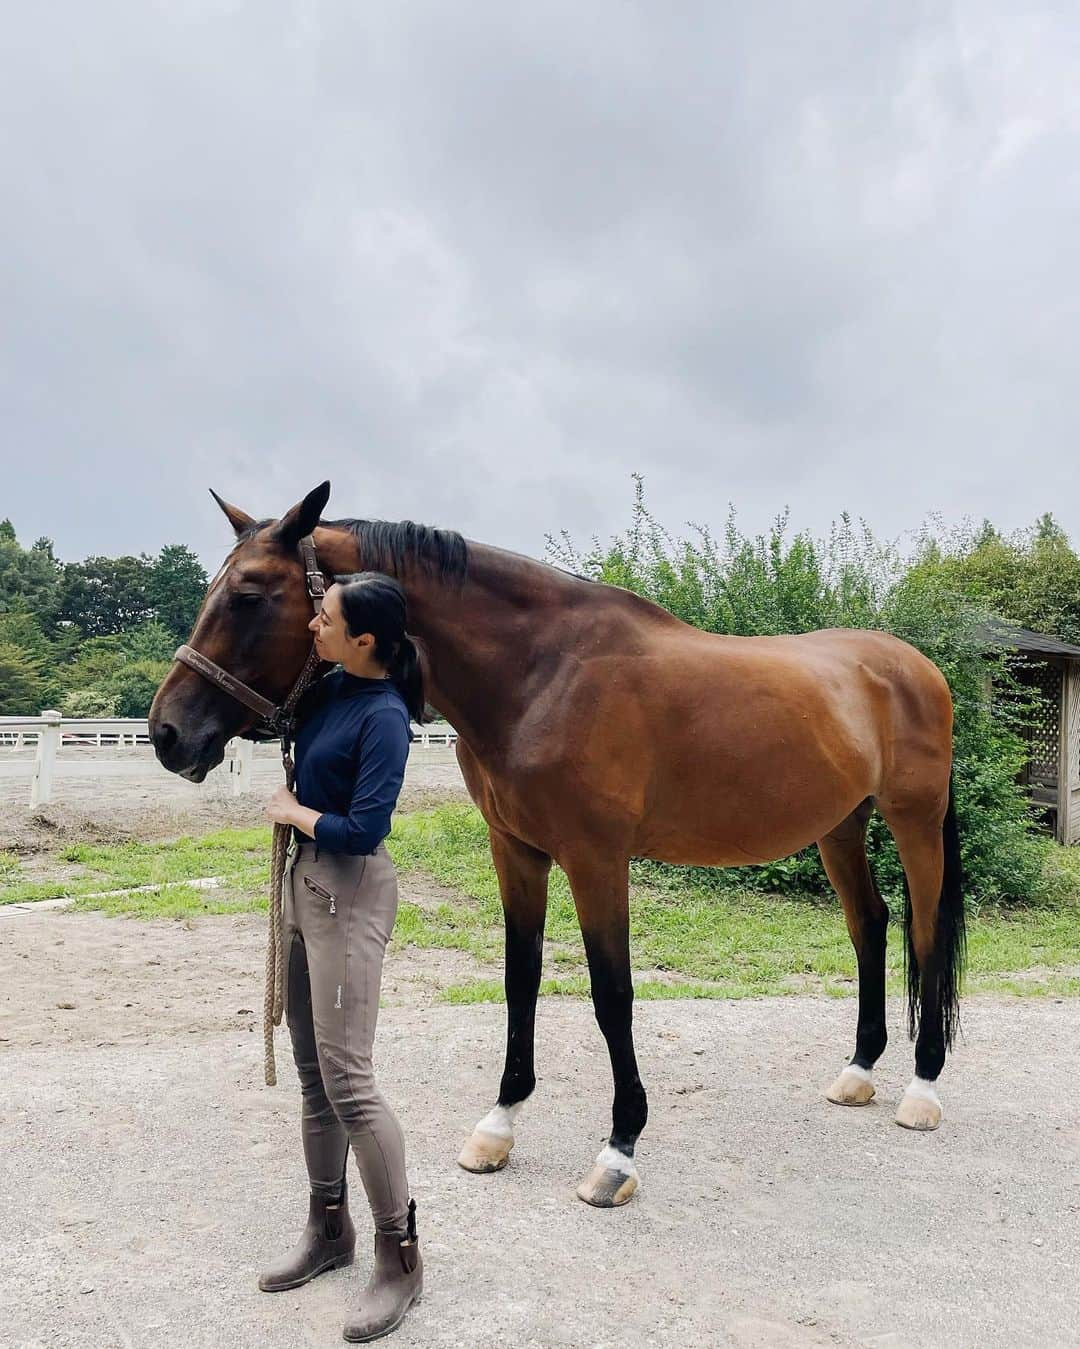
<point>388,545</point>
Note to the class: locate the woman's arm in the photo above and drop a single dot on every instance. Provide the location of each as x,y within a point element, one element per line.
<point>383,750</point>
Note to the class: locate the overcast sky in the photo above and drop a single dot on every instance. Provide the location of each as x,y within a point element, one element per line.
<point>479,263</point>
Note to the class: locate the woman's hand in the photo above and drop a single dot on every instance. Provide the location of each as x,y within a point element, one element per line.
<point>282,806</point>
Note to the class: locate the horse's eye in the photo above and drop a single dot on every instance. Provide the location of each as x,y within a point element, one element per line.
<point>247,598</point>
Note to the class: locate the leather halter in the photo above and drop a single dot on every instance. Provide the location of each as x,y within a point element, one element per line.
<point>276,717</point>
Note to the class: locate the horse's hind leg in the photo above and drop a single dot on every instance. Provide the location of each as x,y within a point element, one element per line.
<point>930,854</point>
<point>523,885</point>
<point>843,851</point>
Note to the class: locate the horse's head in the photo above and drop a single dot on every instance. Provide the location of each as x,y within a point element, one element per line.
<point>254,624</point>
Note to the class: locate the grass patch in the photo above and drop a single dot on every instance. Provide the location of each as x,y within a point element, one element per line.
<point>239,856</point>
<point>690,937</point>
<point>716,940</point>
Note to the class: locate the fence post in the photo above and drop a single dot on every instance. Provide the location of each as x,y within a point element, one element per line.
<point>242,758</point>
<point>48,743</point>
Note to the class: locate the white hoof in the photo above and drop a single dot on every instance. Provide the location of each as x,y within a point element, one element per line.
<point>854,1086</point>
<point>611,1182</point>
<point>484,1153</point>
<point>488,1147</point>
<point>920,1107</point>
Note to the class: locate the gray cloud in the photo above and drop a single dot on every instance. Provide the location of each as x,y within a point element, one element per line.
<point>478,263</point>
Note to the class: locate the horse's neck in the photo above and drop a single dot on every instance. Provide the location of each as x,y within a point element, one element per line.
<point>482,636</point>
<point>483,639</point>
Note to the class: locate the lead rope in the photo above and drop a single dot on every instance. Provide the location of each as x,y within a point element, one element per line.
<point>274,995</point>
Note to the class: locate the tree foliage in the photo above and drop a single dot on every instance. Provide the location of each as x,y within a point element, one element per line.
<point>22,685</point>
<point>176,589</point>
<point>105,627</point>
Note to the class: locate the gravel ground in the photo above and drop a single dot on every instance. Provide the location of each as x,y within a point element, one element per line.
<point>146,1172</point>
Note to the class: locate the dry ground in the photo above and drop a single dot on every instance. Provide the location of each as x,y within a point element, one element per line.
<point>146,1172</point>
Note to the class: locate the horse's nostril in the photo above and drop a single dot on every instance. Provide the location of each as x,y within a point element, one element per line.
<point>164,737</point>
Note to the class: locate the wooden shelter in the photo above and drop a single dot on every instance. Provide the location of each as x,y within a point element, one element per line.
<point>1050,669</point>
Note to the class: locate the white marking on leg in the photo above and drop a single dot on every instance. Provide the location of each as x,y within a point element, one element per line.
<point>499,1121</point>
<point>611,1159</point>
<point>854,1070</point>
<point>924,1090</point>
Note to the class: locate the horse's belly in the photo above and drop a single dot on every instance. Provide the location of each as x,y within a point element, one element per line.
<point>743,834</point>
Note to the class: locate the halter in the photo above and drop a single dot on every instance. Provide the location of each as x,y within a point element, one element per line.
<point>276,718</point>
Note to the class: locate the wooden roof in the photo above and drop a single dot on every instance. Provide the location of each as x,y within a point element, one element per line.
<point>1023,639</point>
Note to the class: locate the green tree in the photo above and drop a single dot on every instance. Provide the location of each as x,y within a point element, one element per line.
<point>150,641</point>
<point>22,687</point>
<point>29,577</point>
<point>176,589</point>
<point>105,595</point>
<point>24,630</point>
<point>96,661</point>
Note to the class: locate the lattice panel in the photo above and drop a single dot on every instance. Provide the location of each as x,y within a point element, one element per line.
<point>1071,791</point>
<point>1044,730</point>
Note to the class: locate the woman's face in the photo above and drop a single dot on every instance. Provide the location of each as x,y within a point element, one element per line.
<point>332,640</point>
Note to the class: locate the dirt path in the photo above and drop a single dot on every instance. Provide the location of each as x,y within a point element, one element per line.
<point>146,1172</point>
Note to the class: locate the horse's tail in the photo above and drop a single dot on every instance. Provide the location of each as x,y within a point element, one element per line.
<point>951,939</point>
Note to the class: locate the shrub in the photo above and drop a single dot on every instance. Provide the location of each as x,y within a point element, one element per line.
<point>88,703</point>
<point>133,686</point>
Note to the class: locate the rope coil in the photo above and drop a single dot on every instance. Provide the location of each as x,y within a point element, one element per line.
<point>274,996</point>
<point>274,993</point>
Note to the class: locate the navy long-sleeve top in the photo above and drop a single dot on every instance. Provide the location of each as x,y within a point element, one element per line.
<point>351,748</point>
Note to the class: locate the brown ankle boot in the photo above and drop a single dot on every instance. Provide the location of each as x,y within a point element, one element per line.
<point>327,1242</point>
<point>396,1283</point>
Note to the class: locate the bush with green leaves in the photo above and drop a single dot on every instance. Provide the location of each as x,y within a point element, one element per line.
<point>133,686</point>
<point>779,583</point>
<point>88,703</point>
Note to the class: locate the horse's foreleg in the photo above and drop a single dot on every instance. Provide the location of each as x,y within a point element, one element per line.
<point>523,881</point>
<point>843,851</point>
<point>601,896</point>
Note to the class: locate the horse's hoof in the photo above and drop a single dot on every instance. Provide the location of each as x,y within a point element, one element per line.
<point>484,1153</point>
<point>920,1106</point>
<point>612,1181</point>
<point>852,1087</point>
<point>918,1112</point>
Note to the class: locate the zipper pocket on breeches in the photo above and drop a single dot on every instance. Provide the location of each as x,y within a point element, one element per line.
<point>322,892</point>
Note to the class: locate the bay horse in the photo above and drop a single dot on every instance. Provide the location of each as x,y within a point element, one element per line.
<point>595,727</point>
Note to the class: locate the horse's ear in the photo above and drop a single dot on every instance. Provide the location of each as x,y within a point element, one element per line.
<point>240,521</point>
<point>303,517</point>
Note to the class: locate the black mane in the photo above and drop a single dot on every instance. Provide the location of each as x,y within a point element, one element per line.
<point>388,546</point>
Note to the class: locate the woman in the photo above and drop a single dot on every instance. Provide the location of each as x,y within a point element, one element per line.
<point>340,901</point>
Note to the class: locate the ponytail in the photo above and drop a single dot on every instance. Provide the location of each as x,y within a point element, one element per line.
<point>408,678</point>
<point>373,602</point>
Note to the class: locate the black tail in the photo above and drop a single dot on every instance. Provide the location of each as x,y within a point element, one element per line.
<point>950,947</point>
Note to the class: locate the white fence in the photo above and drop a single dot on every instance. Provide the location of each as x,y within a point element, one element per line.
<point>50,730</point>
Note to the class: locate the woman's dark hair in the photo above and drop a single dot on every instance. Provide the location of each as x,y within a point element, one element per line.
<point>373,602</point>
